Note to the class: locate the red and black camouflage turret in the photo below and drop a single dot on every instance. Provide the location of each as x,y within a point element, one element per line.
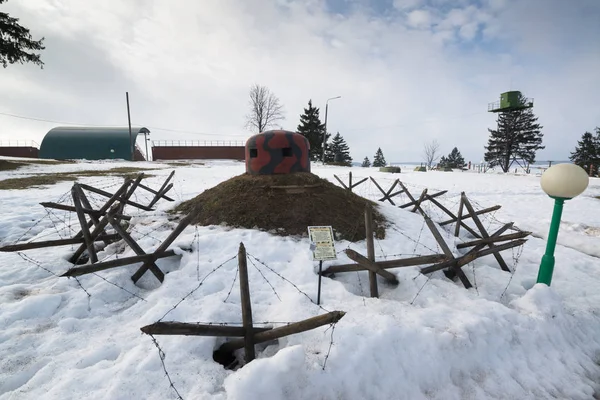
<point>277,152</point>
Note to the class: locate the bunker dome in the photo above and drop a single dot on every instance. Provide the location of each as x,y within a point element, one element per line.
<point>277,152</point>
<point>90,143</point>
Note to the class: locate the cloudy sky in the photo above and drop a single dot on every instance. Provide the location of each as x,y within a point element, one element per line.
<point>407,71</point>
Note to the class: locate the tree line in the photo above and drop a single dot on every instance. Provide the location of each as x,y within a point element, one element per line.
<point>266,110</point>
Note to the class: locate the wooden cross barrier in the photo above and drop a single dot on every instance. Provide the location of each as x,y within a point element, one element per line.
<point>148,260</point>
<point>248,335</point>
<point>416,204</point>
<point>388,195</point>
<point>350,185</point>
<point>380,267</point>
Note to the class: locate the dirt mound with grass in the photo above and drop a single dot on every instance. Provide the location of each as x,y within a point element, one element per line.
<point>284,205</point>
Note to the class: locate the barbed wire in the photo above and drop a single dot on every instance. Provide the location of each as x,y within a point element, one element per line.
<point>162,356</point>
<point>197,287</point>
<point>288,281</point>
<point>265,278</point>
<point>237,270</point>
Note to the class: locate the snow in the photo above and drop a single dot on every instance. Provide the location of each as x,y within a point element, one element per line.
<point>427,338</point>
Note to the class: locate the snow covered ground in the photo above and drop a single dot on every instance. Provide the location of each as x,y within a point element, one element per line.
<point>427,338</point>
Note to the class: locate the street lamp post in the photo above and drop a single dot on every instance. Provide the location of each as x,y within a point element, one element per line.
<point>561,182</point>
<point>325,134</point>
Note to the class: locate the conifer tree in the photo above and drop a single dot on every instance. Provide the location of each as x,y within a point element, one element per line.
<point>517,137</point>
<point>366,163</point>
<point>312,129</point>
<point>338,151</point>
<point>443,162</point>
<point>15,41</point>
<point>587,153</point>
<point>379,159</point>
<point>455,159</point>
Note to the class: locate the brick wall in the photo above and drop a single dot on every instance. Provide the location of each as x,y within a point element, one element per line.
<point>198,153</point>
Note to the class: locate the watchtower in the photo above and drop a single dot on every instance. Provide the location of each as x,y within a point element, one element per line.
<point>510,101</point>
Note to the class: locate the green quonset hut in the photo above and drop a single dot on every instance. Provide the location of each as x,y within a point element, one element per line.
<point>90,143</point>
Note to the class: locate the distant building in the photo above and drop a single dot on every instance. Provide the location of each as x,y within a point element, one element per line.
<point>91,143</point>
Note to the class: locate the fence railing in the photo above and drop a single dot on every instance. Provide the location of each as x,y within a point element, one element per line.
<point>195,143</point>
<point>19,143</point>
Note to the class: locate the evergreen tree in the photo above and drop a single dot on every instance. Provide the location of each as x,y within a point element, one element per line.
<point>312,129</point>
<point>518,137</point>
<point>587,153</point>
<point>443,162</point>
<point>455,159</point>
<point>379,159</point>
<point>338,151</point>
<point>366,163</point>
<point>15,40</point>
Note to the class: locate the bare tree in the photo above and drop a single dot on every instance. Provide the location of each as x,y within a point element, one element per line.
<point>265,109</point>
<point>431,152</point>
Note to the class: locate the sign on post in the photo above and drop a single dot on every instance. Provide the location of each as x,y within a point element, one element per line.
<point>322,243</point>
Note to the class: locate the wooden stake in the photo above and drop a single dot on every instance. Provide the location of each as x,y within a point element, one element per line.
<point>484,233</point>
<point>294,328</point>
<point>88,211</point>
<point>135,247</point>
<point>246,304</point>
<point>442,243</point>
<point>371,266</point>
<point>163,247</point>
<point>89,242</point>
<point>418,204</point>
<point>162,189</point>
<point>123,200</point>
<point>478,212</point>
<point>188,329</point>
<point>370,250</point>
<point>406,262</point>
<point>90,268</point>
<point>512,236</point>
<point>341,183</point>
<point>53,243</point>
<point>164,196</point>
<point>459,217</point>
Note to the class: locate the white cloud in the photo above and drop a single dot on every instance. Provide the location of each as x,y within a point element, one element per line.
<point>189,66</point>
<point>421,19</point>
<point>407,4</point>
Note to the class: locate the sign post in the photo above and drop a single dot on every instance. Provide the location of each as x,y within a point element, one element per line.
<point>323,247</point>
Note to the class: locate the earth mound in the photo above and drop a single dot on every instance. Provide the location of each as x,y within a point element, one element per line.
<point>284,205</point>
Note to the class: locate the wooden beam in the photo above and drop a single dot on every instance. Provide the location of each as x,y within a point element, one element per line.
<point>162,189</point>
<point>246,305</point>
<point>358,183</point>
<point>189,329</point>
<point>163,247</point>
<point>371,266</point>
<point>512,236</point>
<point>121,199</point>
<point>135,247</point>
<point>291,329</point>
<point>418,203</point>
<point>484,233</point>
<point>164,196</point>
<point>101,266</point>
<point>95,233</point>
<point>459,217</point>
<point>65,207</point>
<point>53,243</point>
<point>406,262</point>
<point>342,183</point>
<point>442,243</point>
<point>467,258</point>
<point>413,201</point>
<point>87,238</point>
<point>479,212</point>
<point>374,291</point>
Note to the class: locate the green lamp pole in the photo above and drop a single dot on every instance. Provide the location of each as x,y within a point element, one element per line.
<point>561,182</point>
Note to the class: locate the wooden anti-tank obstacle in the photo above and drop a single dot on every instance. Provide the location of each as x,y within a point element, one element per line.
<point>248,334</point>
<point>110,213</point>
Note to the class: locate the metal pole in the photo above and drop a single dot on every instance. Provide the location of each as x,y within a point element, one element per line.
<point>325,134</point>
<point>319,290</point>
<point>547,264</point>
<point>129,119</point>
<point>146,141</point>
